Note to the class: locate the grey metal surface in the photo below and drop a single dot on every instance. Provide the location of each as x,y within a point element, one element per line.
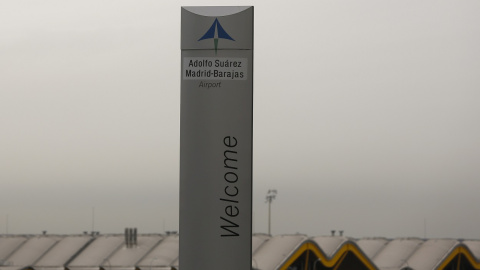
<point>215,11</point>
<point>237,21</point>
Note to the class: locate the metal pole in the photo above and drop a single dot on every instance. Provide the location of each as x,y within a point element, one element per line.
<point>271,194</point>
<point>269,216</point>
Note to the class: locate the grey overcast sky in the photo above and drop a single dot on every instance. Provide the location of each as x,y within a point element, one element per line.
<point>366,116</point>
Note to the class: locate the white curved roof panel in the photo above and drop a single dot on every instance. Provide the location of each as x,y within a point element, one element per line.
<point>276,250</point>
<point>9,244</point>
<point>165,253</point>
<point>258,240</point>
<point>330,244</point>
<point>474,247</point>
<point>63,251</point>
<point>396,253</point>
<point>431,253</point>
<point>128,256</point>
<point>35,247</point>
<point>97,252</point>
<point>372,246</point>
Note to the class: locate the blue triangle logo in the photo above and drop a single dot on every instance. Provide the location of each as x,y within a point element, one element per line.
<point>216,32</point>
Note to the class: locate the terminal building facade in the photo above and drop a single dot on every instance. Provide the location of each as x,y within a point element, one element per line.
<point>132,251</point>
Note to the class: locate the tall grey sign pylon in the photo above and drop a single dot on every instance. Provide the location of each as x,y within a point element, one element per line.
<point>216,138</point>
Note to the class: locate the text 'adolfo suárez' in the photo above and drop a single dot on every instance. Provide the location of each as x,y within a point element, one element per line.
<point>214,68</point>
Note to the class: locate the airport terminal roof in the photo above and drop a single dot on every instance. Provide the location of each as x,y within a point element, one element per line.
<point>297,251</point>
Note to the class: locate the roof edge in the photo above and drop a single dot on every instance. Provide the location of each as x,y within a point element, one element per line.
<point>310,245</point>
<point>460,249</point>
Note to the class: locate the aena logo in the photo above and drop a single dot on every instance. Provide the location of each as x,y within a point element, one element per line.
<point>216,32</point>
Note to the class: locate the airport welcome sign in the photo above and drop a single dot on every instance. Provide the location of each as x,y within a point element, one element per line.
<point>216,138</point>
